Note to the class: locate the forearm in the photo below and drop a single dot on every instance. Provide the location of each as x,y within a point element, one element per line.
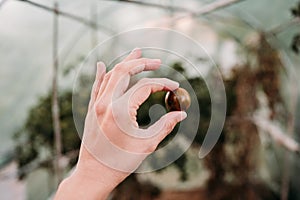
<point>91,180</point>
<point>82,188</point>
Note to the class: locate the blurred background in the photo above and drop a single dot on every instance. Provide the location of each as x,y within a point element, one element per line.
<point>255,45</point>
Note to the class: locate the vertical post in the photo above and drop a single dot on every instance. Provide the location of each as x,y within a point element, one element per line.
<point>93,15</point>
<point>93,26</point>
<point>55,102</point>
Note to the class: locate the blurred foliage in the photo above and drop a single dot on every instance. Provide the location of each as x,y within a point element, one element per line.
<point>35,141</point>
<point>233,161</point>
<point>239,135</point>
<point>295,45</point>
<point>132,189</point>
<point>296,10</point>
<point>232,164</point>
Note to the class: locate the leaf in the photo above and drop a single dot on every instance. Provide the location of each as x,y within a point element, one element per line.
<point>295,11</point>
<point>296,44</point>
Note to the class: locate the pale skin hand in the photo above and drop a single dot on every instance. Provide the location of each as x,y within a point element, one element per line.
<point>92,178</point>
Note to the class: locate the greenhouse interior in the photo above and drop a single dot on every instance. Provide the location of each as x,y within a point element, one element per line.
<point>236,60</point>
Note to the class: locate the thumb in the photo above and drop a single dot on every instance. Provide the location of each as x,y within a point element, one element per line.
<point>166,124</point>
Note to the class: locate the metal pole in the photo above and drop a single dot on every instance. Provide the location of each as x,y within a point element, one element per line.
<point>94,21</point>
<point>55,101</point>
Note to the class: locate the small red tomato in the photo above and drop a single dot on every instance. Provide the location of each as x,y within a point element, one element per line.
<point>177,100</point>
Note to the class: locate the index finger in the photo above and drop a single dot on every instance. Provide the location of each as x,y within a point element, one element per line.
<point>139,93</point>
<point>120,75</point>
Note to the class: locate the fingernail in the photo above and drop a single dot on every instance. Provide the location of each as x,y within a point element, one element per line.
<point>100,68</point>
<point>183,115</point>
<point>175,83</point>
<point>100,64</point>
<point>171,85</point>
<point>135,50</point>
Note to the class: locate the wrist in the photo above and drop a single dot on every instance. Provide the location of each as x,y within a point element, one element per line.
<point>91,179</point>
<point>91,169</point>
<point>89,188</point>
<point>82,186</point>
<point>98,174</point>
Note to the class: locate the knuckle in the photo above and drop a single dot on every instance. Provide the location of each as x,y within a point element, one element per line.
<point>143,60</point>
<point>169,125</point>
<point>132,113</point>
<point>106,77</point>
<point>119,68</point>
<point>100,109</point>
<point>145,80</point>
<point>152,148</point>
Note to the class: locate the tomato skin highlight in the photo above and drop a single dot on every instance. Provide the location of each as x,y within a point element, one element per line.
<point>177,100</point>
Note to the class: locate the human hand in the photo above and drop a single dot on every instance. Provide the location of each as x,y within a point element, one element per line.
<point>113,145</point>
